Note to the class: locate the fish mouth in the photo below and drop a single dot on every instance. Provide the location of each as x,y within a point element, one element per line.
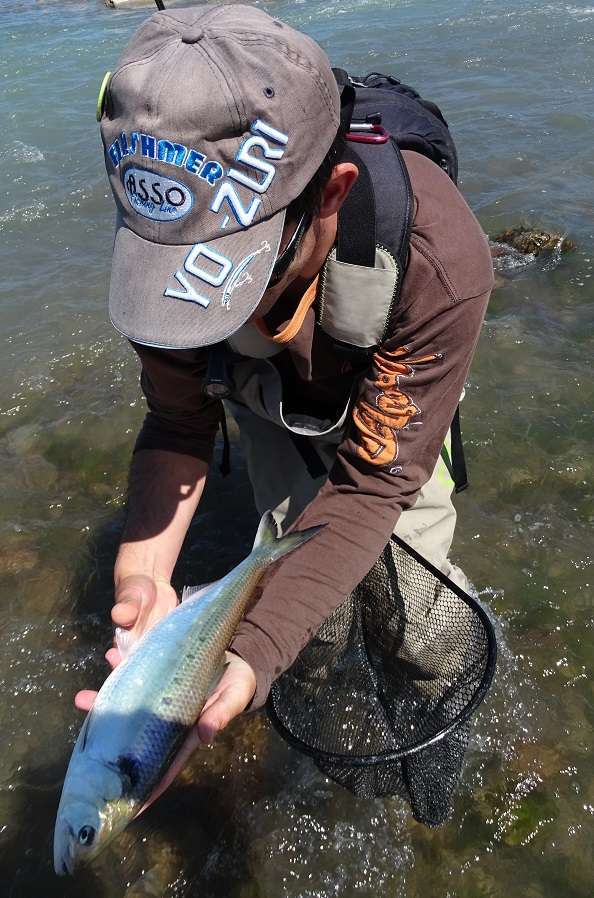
<point>63,866</point>
<point>64,861</point>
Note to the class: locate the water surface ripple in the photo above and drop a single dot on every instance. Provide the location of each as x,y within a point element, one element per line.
<point>250,818</point>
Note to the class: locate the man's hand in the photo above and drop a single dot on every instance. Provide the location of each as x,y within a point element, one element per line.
<point>140,602</point>
<point>230,697</point>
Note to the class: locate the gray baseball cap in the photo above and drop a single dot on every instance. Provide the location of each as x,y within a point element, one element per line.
<point>214,120</point>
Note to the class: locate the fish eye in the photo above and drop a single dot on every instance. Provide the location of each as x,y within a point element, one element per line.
<point>86,834</point>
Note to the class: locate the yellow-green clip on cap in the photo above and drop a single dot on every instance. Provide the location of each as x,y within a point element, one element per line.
<point>101,97</point>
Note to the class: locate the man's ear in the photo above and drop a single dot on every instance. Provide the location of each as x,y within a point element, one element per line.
<point>338,187</point>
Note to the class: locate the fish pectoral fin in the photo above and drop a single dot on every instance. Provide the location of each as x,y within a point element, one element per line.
<point>194,592</point>
<point>126,641</point>
<point>84,732</point>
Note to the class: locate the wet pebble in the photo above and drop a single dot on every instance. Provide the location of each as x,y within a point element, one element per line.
<point>22,439</point>
<point>42,593</point>
<point>39,474</point>
<point>547,760</point>
<point>102,490</point>
<point>518,476</point>
<point>17,555</point>
<point>575,469</point>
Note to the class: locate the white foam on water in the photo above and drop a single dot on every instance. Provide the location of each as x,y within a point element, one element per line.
<point>580,12</point>
<point>21,152</point>
<point>314,839</point>
<point>23,213</point>
<point>511,259</point>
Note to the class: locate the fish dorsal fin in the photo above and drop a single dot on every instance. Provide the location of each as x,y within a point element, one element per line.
<point>194,592</point>
<point>267,532</point>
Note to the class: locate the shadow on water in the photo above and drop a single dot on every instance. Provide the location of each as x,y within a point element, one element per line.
<point>173,841</point>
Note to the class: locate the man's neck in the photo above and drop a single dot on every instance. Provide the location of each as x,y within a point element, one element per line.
<point>322,239</point>
<point>317,243</point>
<point>316,247</point>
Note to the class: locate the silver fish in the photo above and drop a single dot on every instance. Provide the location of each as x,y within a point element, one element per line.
<point>148,703</point>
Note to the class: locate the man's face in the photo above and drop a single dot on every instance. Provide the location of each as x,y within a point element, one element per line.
<point>306,243</point>
<point>316,241</point>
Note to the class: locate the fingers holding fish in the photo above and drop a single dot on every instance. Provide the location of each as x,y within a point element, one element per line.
<point>232,696</point>
<point>113,657</point>
<point>141,600</point>
<point>85,699</point>
<point>146,711</point>
<point>124,614</point>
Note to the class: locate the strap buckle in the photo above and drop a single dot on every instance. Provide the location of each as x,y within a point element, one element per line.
<point>366,132</point>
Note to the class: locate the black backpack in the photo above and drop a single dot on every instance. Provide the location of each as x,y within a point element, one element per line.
<point>414,123</point>
<point>381,117</point>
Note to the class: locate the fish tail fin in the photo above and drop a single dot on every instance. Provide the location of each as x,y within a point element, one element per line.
<point>272,547</point>
<point>267,533</point>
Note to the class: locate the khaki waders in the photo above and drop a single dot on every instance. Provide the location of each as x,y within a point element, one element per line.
<point>285,481</point>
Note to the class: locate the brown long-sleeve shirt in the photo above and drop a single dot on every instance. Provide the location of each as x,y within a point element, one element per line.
<point>406,403</point>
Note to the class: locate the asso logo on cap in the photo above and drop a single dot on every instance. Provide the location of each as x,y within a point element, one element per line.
<point>257,175</point>
<point>156,196</point>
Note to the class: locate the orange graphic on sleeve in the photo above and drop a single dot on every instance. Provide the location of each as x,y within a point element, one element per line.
<point>391,410</point>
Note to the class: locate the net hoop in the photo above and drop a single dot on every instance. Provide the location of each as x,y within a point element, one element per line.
<point>456,722</point>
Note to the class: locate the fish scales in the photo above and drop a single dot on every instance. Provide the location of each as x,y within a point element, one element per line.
<point>166,685</point>
<point>148,703</point>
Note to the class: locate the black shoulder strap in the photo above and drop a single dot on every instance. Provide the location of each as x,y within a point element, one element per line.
<point>379,207</point>
<point>460,476</point>
<point>454,460</point>
<point>355,240</point>
<point>347,98</point>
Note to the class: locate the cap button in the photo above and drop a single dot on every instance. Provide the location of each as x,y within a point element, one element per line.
<point>192,36</point>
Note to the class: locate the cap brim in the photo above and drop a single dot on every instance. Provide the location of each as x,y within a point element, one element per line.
<point>182,297</point>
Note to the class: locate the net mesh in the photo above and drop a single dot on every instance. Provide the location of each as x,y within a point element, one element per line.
<point>382,696</point>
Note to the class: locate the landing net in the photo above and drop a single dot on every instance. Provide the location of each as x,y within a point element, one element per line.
<point>382,697</point>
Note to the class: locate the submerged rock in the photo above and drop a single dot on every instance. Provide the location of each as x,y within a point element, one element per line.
<point>531,241</point>
<point>154,883</point>
<point>38,473</point>
<point>518,248</point>
<point>18,554</point>
<point>22,439</point>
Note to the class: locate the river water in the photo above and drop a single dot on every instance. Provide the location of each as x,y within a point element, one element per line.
<point>250,817</point>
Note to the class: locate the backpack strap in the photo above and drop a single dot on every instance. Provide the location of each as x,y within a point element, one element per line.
<point>379,208</point>
<point>355,239</point>
<point>460,476</point>
<point>454,460</point>
<point>347,98</point>
<point>361,284</point>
